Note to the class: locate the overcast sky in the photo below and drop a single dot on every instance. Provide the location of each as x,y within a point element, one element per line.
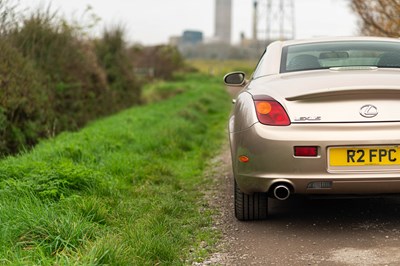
<point>154,21</point>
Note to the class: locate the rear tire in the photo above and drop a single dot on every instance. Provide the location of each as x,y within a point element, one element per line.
<point>250,207</point>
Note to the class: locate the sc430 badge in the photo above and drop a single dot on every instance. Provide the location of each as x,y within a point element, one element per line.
<point>307,118</point>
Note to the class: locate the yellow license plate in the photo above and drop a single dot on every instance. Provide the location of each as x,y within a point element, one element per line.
<point>364,156</point>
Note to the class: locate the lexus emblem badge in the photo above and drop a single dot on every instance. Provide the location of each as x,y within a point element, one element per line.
<point>368,111</point>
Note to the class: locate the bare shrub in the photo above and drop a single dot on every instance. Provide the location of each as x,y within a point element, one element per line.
<point>162,60</point>
<point>378,17</point>
<point>112,52</point>
<point>24,103</point>
<point>72,74</point>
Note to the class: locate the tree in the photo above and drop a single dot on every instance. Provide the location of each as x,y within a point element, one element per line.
<point>163,60</point>
<point>379,17</point>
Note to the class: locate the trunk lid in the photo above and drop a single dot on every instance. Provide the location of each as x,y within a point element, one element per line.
<point>329,96</point>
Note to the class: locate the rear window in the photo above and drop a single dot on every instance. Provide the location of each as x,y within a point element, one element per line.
<point>325,55</point>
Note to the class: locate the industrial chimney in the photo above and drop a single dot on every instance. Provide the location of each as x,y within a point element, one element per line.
<point>223,20</point>
<point>255,20</point>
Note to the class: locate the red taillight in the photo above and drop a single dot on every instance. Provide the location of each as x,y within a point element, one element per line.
<point>306,151</point>
<point>244,159</point>
<point>270,112</point>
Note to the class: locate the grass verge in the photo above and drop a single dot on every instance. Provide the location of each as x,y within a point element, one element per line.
<point>125,190</point>
<point>222,67</point>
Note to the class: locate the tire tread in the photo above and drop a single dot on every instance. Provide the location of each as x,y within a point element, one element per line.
<point>250,207</point>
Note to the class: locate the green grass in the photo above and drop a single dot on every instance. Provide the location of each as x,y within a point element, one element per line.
<point>222,67</point>
<point>161,89</point>
<point>125,190</point>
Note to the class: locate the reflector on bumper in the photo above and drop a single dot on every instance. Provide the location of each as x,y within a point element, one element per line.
<point>320,184</point>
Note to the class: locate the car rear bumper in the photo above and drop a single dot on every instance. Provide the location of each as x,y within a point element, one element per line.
<point>272,160</point>
<point>299,185</point>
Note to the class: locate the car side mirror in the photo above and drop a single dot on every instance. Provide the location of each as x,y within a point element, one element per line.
<point>235,79</point>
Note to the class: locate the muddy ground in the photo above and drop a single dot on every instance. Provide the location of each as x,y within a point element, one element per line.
<point>303,231</point>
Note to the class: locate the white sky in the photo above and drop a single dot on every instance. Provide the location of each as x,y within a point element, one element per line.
<point>154,21</point>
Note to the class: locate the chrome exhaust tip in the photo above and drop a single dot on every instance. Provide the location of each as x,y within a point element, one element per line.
<point>281,192</point>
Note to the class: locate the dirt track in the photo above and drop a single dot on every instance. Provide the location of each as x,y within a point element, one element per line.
<point>307,232</point>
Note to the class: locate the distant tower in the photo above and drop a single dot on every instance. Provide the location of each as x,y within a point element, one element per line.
<point>223,20</point>
<point>278,19</point>
<point>255,20</point>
